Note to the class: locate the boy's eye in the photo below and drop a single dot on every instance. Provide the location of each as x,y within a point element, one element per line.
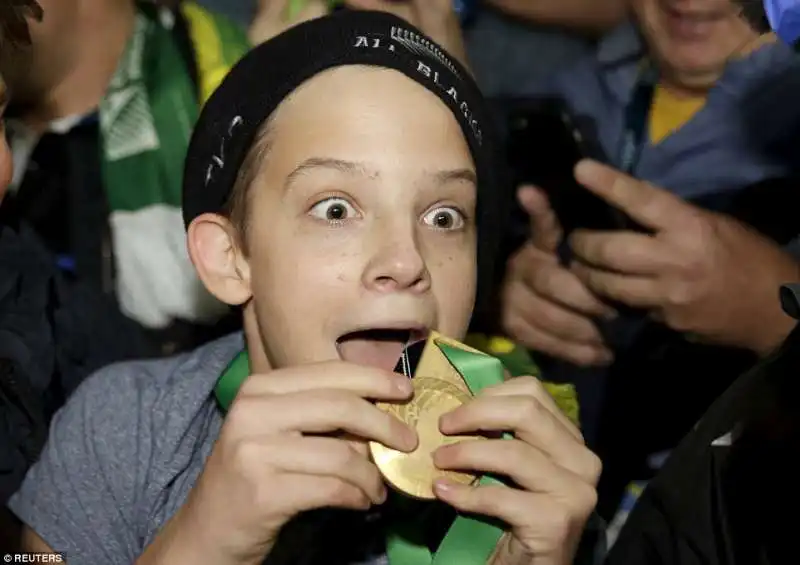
<point>333,210</point>
<point>444,218</point>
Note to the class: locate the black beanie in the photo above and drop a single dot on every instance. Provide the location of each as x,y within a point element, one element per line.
<point>253,89</point>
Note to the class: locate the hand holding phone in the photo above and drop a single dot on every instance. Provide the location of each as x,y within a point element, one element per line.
<point>545,142</point>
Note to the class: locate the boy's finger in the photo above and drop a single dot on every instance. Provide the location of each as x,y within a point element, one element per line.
<point>530,422</point>
<point>321,456</point>
<point>321,412</point>
<point>366,382</point>
<point>531,386</point>
<point>309,492</point>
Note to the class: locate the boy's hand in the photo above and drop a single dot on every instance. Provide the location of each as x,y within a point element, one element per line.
<point>554,473</point>
<point>278,456</point>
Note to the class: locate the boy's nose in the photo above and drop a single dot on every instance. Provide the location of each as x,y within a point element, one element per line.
<point>397,266</point>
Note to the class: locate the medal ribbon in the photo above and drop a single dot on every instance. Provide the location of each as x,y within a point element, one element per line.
<point>470,540</point>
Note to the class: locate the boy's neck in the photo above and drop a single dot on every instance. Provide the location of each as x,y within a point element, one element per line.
<point>83,88</point>
<point>252,339</point>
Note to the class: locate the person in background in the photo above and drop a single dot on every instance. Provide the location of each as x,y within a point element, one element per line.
<point>437,18</point>
<point>53,331</point>
<point>272,17</point>
<point>689,97</point>
<point>103,103</point>
<point>240,11</point>
<point>728,494</point>
<point>513,44</point>
<point>594,18</point>
<point>509,44</point>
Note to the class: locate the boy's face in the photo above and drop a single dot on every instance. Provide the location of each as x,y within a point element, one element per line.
<point>692,40</point>
<point>361,218</point>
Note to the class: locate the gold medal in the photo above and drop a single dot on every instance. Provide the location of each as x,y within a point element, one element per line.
<point>438,389</point>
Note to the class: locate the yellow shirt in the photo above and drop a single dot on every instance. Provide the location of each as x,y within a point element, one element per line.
<point>669,113</point>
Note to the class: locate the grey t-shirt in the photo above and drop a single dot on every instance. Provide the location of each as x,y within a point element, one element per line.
<point>126,450</point>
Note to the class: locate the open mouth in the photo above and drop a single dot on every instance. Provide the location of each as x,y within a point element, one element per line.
<point>378,347</point>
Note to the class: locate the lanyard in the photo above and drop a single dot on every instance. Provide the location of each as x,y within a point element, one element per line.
<point>635,131</point>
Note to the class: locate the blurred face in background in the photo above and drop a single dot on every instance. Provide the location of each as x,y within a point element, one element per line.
<point>30,71</point>
<point>692,40</point>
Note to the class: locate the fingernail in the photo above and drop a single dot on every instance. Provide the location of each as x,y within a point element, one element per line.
<point>585,167</point>
<point>605,357</point>
<point>442,488</point>
<point>610,314</point>
<point>410,438</point>
<point>382,495</point>
<point>403,385</point>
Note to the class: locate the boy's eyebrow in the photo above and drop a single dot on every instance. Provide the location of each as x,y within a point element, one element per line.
<point>468,175</point>
<point>355,168</point>
<point>340,165</point>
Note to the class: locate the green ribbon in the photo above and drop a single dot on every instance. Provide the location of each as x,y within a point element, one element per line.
<point>470,540</point>
<point>232,379</point>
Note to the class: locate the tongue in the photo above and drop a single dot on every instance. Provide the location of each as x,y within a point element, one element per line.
<point>372,353</point>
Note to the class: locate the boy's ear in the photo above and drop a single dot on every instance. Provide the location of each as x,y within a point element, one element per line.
<point>218,258</point>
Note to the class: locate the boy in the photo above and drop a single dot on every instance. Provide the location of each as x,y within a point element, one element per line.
<point>341,229</point>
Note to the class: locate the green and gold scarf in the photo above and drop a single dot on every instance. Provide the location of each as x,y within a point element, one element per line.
<point>146,119</point>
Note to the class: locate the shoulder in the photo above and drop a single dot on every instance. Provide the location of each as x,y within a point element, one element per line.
<point>115,449</point>
<point>155,390</point>
<point>586,81</point>
<point>22,253</point>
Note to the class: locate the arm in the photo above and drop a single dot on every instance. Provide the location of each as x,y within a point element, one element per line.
<point>593,16</point>
<point>32,543</point>
<point>79,497</point>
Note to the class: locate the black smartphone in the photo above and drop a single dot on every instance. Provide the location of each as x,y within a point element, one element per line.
<point>544,143</point>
